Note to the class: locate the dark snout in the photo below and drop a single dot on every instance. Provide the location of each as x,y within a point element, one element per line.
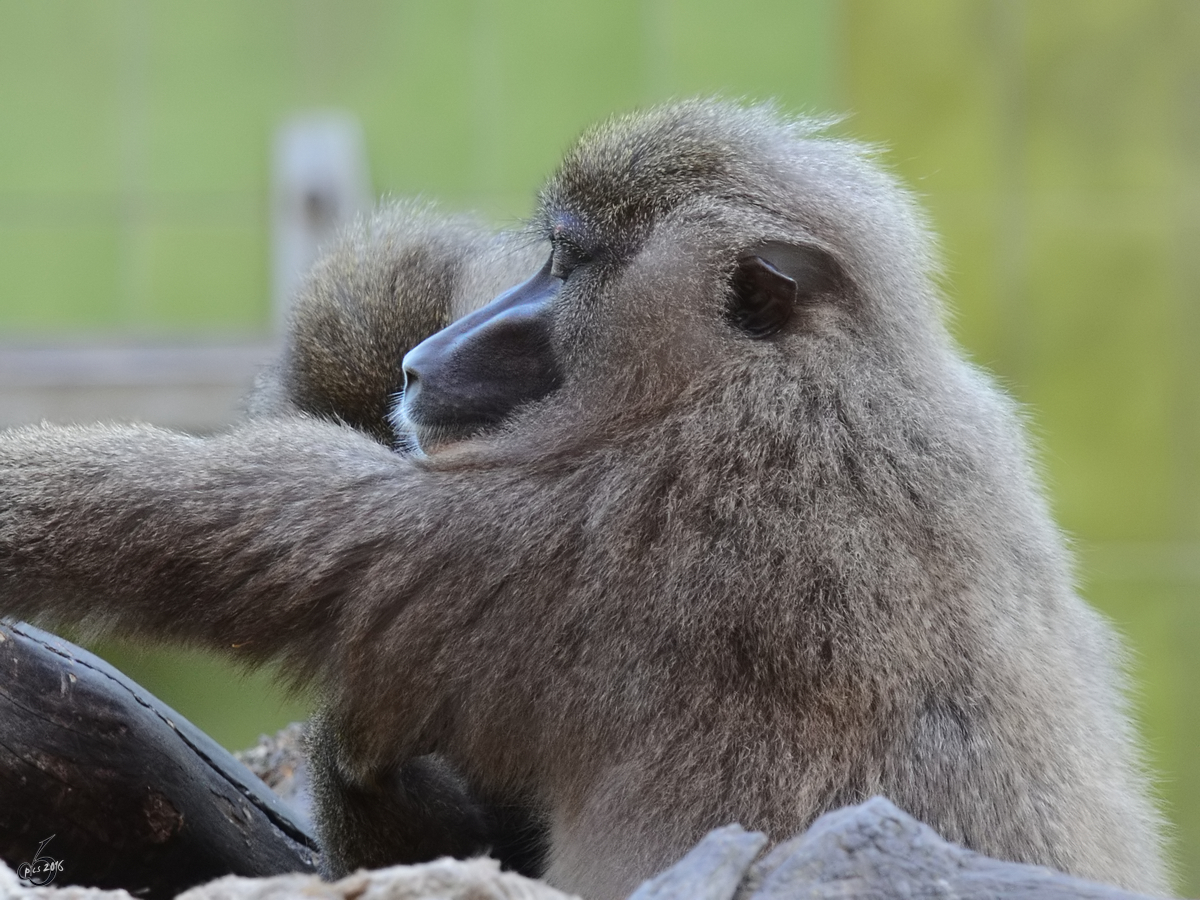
<point>468,377</point>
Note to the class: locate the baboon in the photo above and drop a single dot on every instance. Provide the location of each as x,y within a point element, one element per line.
<point>388,283</point>
<point>391,281</point>
<point>706,521</point>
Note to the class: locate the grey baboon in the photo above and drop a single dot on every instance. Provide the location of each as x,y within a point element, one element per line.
<point>705,522</point>
<point>386,285</point>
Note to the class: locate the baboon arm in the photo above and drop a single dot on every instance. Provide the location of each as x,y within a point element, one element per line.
<point>247,542</point>
<point>362,570</point>
<point>294,539</point>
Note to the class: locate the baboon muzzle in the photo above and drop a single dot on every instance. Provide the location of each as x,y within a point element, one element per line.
<point>472,374</point>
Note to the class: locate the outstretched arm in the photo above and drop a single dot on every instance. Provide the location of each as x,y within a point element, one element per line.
<point>369,572</point>
<point>269,541</point>
<point>235,542</point>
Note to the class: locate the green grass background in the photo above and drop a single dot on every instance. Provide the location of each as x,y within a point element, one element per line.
<point>1056,146</point>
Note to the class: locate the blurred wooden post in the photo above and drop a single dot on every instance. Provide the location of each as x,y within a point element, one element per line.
<point>319,183</point>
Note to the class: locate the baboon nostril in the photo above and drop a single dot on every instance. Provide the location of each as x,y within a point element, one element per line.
<point>410,365</point>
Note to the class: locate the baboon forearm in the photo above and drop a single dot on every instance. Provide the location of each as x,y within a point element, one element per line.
<point>210,539</point>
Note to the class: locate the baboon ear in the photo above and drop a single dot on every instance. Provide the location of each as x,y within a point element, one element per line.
<point>772,279</point>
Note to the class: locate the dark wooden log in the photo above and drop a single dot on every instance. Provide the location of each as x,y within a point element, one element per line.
<point>129,793</point>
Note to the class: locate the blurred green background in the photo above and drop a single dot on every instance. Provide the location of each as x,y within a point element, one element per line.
<point>1056,145</point>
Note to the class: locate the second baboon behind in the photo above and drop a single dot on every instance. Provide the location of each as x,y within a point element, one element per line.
<point>707,521</point>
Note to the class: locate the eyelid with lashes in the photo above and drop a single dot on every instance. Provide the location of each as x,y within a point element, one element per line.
<point>566,255</point>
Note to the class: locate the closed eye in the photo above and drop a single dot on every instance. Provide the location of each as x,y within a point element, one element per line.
<point>565,257</point>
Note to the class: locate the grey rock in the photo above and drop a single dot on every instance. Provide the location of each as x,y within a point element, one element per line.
<point>875,851</point>
<point>711,871</point>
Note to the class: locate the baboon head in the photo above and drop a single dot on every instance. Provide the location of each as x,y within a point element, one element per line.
<point>696,247</point>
